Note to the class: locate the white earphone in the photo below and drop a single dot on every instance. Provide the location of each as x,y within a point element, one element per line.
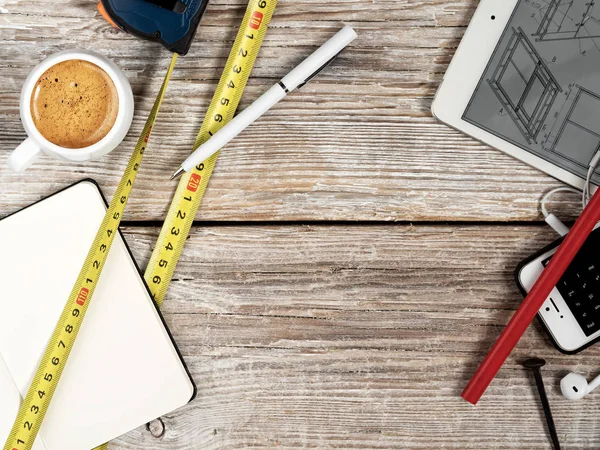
<point>574,386</point>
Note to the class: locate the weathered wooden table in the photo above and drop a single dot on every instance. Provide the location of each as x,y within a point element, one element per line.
<point>353,259</point>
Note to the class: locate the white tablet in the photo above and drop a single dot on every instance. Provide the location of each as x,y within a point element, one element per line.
<point>526,80</point>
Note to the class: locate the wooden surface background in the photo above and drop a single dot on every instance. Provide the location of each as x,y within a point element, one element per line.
<point>352,260</point>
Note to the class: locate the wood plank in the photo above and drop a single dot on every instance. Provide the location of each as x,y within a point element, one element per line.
<point>356,337</point>
<point>358,143</point>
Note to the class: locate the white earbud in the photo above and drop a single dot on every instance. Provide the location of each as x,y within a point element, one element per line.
<point>575,386</point>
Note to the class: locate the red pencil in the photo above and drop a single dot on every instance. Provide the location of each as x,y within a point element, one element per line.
<point>552,274</point>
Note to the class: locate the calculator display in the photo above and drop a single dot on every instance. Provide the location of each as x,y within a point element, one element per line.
<point>580,285</point>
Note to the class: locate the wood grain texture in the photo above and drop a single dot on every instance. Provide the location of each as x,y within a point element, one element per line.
<point>358,143</point>
<point>356,337</point>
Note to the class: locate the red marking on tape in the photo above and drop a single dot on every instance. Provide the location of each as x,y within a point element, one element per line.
<point>148,135</point>
<point>194,182</point>
<point>256,20</point>
<point>82,297</point>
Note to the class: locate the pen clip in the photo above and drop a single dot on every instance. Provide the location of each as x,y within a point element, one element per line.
<point>319,70</point>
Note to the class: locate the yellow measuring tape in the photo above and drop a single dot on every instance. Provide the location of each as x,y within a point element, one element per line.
<point>173,235</point>
<point>34,407</point>
<point>193,184</point>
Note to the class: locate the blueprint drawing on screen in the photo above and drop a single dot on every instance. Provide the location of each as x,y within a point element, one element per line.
<point>541,87</point>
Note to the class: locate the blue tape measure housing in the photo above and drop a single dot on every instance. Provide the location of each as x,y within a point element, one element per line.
<point>173,23</point>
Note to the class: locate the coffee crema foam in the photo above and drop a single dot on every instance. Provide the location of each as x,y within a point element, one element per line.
<point>74,104</point>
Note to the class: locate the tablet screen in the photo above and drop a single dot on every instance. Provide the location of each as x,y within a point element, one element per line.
<point>541,88</point>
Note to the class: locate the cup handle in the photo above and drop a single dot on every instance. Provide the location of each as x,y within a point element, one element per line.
<point>23,156</point>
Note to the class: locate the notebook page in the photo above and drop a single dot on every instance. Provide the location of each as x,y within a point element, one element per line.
<point>124,370</point>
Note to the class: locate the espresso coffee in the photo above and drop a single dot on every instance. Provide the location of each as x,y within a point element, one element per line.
<point>74,104</point>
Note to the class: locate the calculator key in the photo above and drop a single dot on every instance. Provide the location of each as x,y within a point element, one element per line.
<point>580,285</point>
<point>591,327</point>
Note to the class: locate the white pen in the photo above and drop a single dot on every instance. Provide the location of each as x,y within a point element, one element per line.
<point>297,78</point>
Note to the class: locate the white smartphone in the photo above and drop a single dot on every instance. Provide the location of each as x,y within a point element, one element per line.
<point>571,314</point>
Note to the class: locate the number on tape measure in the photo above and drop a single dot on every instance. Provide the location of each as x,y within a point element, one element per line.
<point>192,185</point>
<point>36,403</point>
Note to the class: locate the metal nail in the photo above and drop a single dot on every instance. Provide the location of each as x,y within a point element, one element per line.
<point>535,365</point>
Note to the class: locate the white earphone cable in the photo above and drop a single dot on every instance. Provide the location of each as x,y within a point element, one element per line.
<point>550,218</point>
<point>554,221</point>
<point>549,194</point>
<point>588,180</point>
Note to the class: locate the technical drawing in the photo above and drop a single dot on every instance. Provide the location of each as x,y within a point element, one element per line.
<point>569,19</point>
<point>540,89</point>
<point>524,85</point>
<point>578,136</point>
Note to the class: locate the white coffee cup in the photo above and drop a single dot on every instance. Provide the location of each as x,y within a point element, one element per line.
<point>26,153</point>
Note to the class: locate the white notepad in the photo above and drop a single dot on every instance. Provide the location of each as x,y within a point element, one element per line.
<point>124,369</point>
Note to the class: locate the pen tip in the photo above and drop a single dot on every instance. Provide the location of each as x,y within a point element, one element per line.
<point>178,173</point>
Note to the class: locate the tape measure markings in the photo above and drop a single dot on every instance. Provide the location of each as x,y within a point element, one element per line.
<point>192,185</point>
<point>42,388</point>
